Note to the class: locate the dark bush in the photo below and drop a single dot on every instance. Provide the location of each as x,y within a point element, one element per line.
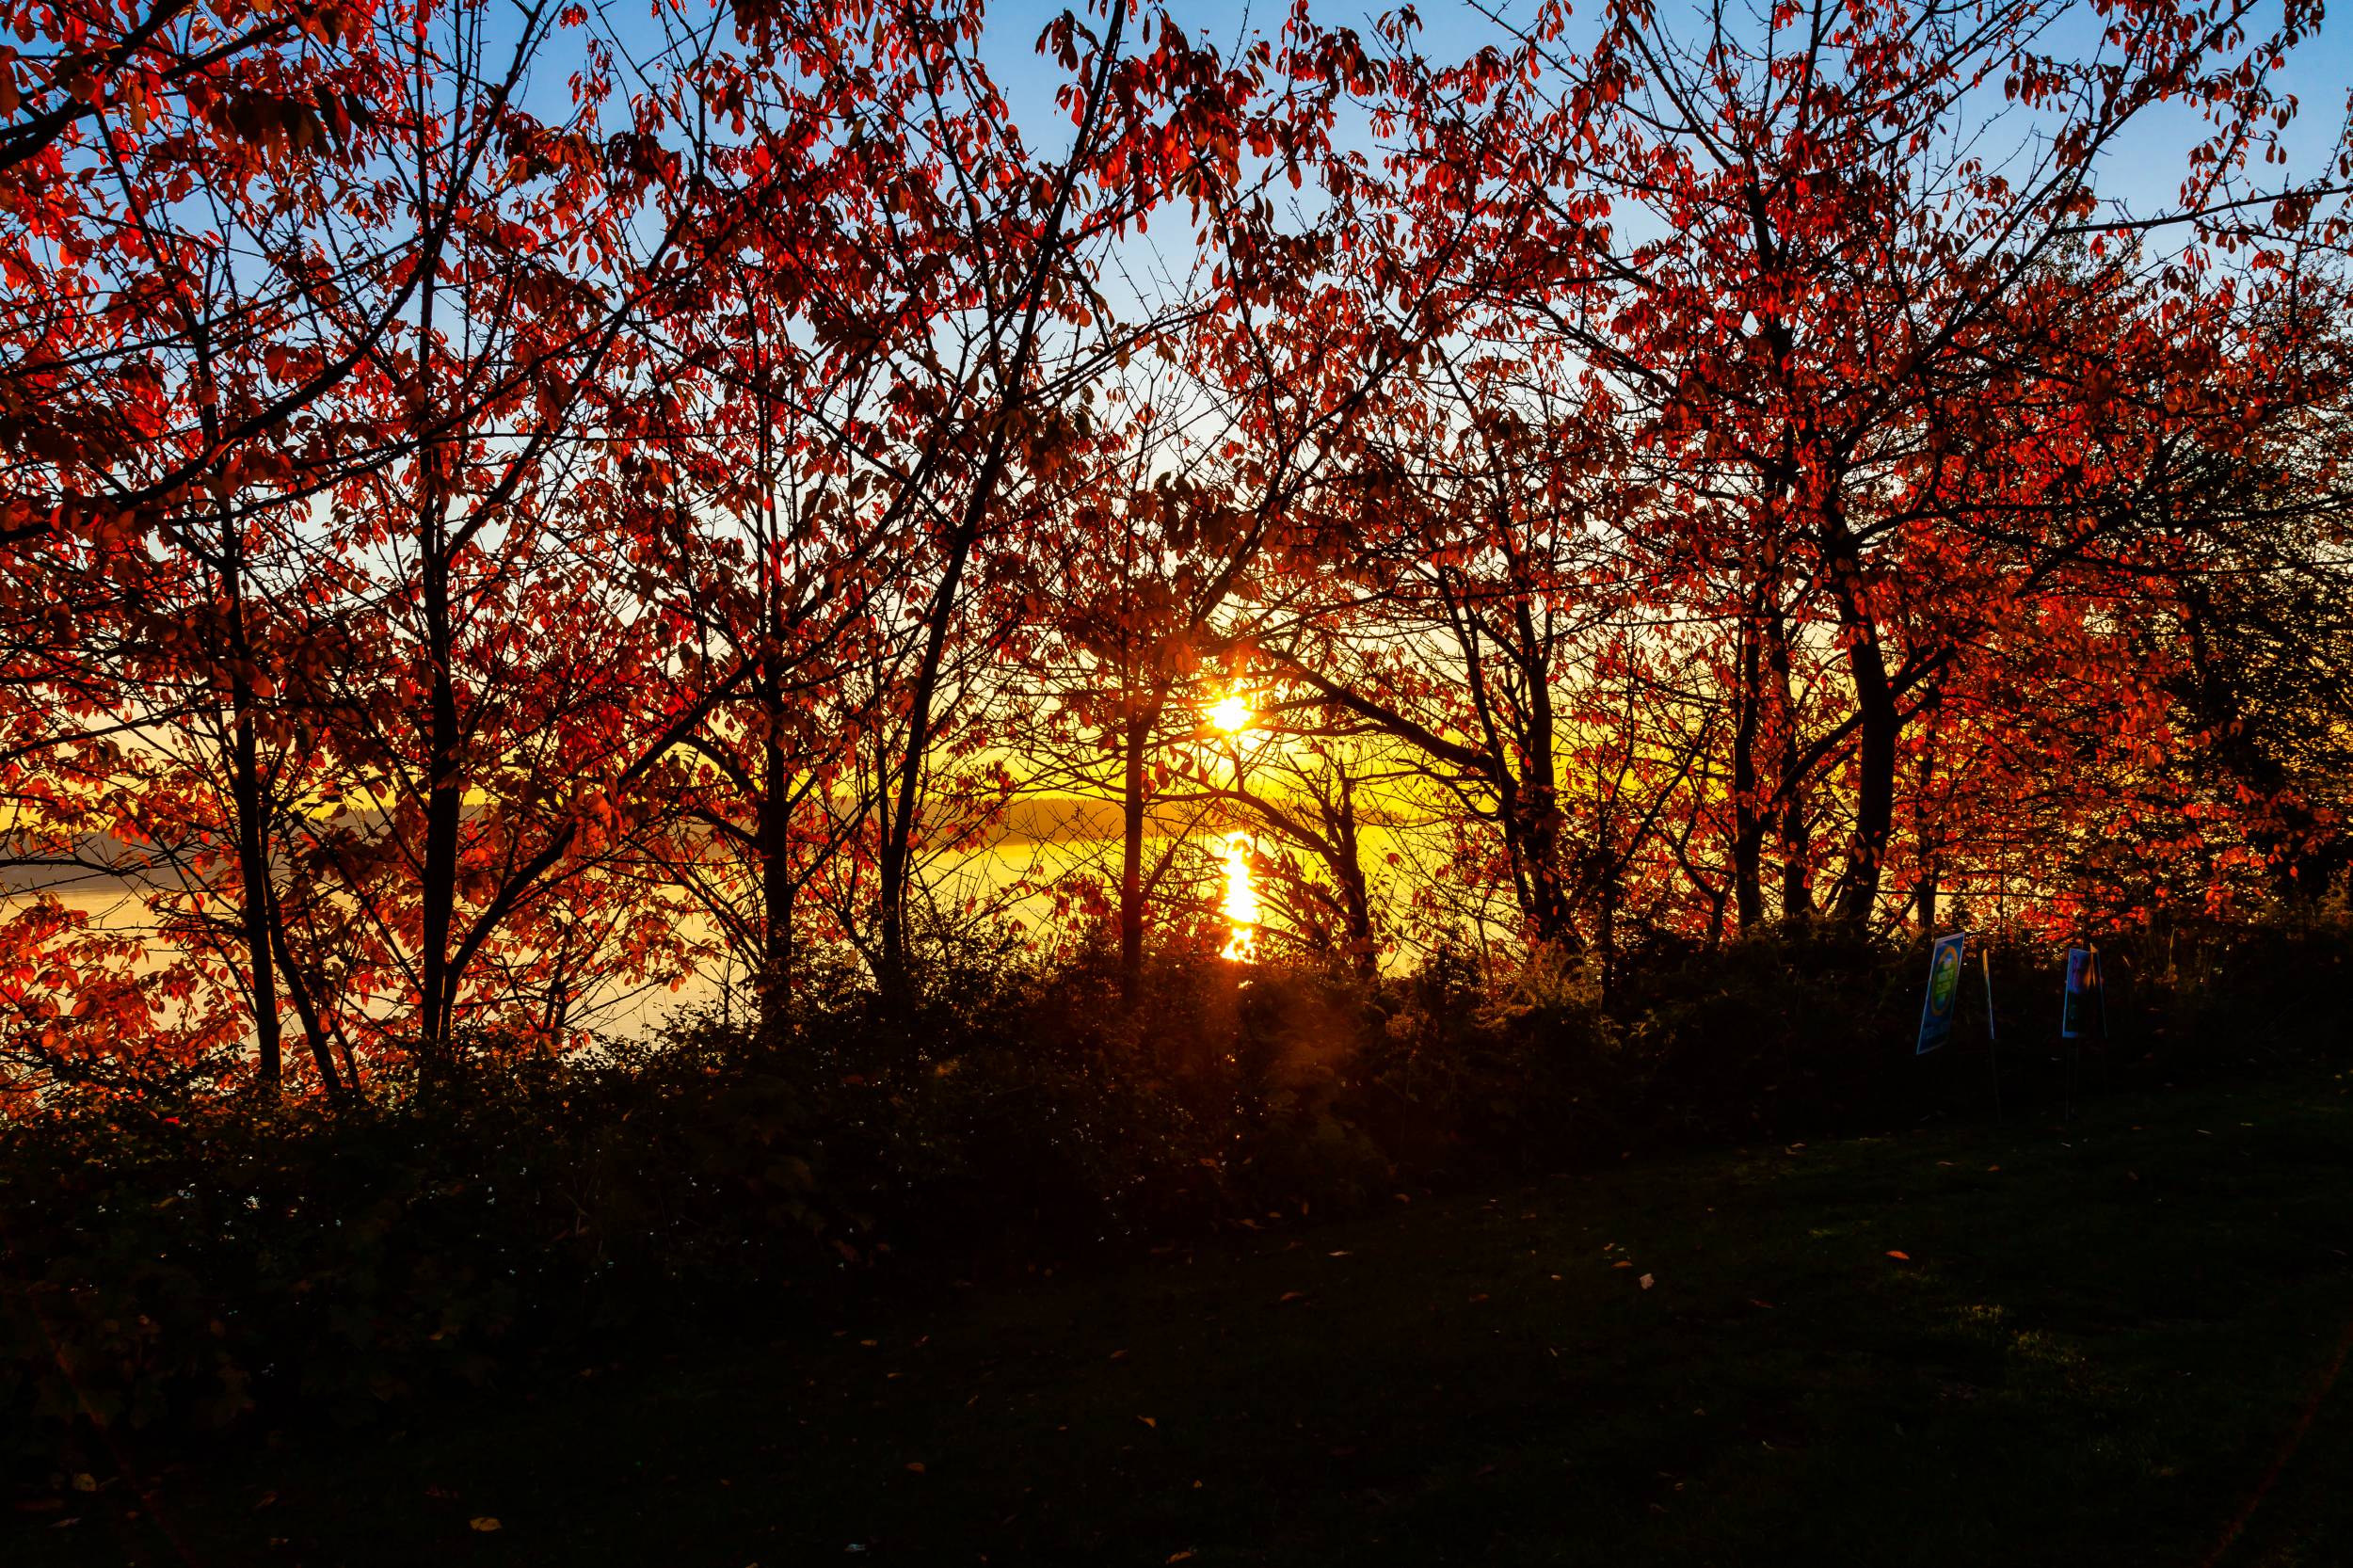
<point>1790,1030</point>
<point>175,1260</point>
<point>178,1264</point>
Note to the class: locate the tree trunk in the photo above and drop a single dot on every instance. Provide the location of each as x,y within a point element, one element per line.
<point>1538,826</point>
<point>1924,892</point>
<point>1877,721</point>
<point>1748,810</point>
<point>1797,859</point>
<point>1132,741</point>
<point>1875,798</point>
<point>249,795</point>
<point>250,801</point>
<point>438,885</point>
<point>436,889</point>
<point>1348,871</point>
<point>1797,851</point>
<point>1539,794</point>
<point>300,991</point>
<point>1875,766</point>
<point>775,867</point>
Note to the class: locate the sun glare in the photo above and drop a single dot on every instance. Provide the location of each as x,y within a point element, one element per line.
<point>1242,902</point>
<point>1232,713</point>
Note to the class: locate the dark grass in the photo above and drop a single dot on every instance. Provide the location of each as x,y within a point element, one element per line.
<point>2094,1354</point>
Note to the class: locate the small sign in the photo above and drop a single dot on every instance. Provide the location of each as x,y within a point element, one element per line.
<point>1936,1014</point>
<point>2083,1003</point>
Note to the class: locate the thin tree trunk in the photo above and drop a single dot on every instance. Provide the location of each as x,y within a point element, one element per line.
<point>1348,871</point>
<point>250,798</point>
<point>436,888</point>
<point>1924,894</point>
<point>1878,722</point>
<point>1748,813</point>
<point>1797,852</point>
<point>1137,732</point>
<point>1797,859</point>
<point>438,885</point>
<point>775,829</point>
<point>1540,797</point>
<point>1875,769</point>
<point>299,991</point>
<point>1875,796</point>
<point>775,867</point>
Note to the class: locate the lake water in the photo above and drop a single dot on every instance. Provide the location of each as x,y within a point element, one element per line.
<point>1016,878</point>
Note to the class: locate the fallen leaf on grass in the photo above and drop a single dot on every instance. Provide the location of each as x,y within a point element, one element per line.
<point>1900,1256</point>
<point>1646,1282</point>
<point>1622,1263</point>
<point>1291,1296</point>
<point>1148,1422</point>
<point>486,1525</point>
<point>1180,1557</point>
<point>915,1468</point>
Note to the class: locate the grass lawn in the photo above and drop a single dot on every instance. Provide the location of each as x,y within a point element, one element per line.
<point>1970,1346</point>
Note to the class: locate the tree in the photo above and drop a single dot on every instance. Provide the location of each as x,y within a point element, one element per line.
<point>1836,298</point>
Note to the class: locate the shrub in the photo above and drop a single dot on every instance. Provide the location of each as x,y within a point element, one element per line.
<point>1796,1027</point>
<point>173,1266</point>
<point>171,1260</point>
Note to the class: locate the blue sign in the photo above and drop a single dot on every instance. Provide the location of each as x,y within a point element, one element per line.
<point>1936,1014</point>
<point>2083,1000</point>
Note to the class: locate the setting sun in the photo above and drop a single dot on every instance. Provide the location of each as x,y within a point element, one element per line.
<point>1232,713</point>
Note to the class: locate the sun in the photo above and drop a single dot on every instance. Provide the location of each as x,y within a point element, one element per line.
<point>1232,713</point>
